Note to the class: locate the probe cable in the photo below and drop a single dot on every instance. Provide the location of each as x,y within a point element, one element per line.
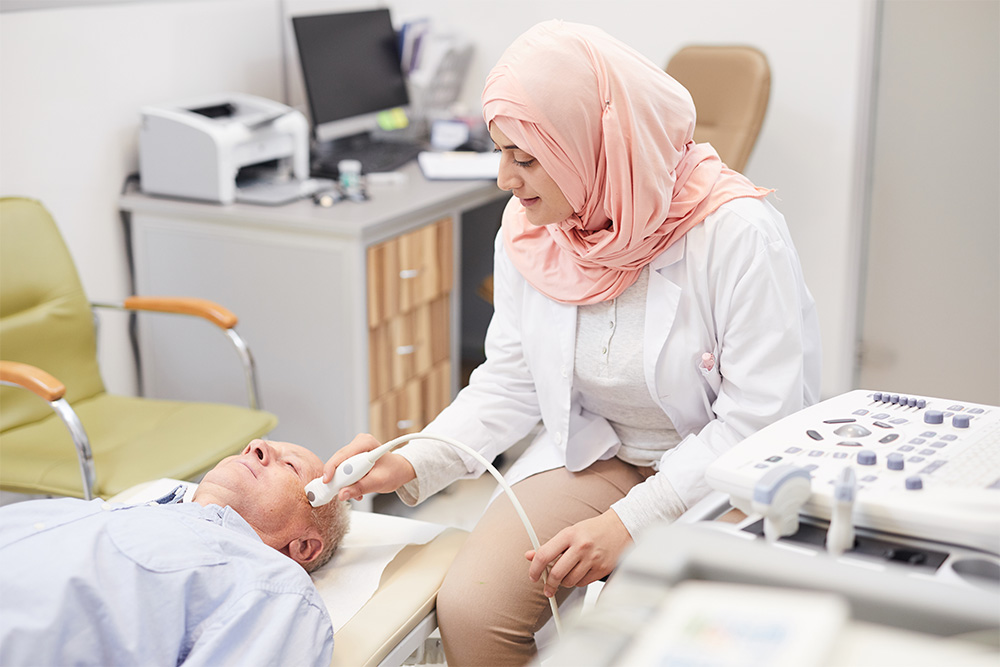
<point>358,466</point>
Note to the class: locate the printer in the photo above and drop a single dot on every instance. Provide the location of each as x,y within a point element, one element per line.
<point>200,149</point>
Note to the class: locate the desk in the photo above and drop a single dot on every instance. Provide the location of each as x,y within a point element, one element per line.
<point>328,300</point>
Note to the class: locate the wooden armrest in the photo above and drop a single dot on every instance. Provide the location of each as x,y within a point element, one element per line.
<point>211,311</point>
<point>33,379</point>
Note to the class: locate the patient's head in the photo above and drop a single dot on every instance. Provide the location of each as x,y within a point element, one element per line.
<point>265,484</point>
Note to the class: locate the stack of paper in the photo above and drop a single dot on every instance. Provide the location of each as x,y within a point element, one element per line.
<point>459,165</point>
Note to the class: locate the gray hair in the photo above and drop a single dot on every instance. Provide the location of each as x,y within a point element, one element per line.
<point>332,520</point>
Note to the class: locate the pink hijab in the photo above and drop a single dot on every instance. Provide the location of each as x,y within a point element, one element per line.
<point>615,133</point>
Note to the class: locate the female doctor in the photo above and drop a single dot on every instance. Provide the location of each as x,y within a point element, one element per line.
<point>650,311</point>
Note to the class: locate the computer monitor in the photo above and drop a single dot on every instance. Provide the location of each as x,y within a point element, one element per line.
<point>351,69</point>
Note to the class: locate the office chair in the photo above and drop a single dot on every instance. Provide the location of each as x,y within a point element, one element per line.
<point>66,435</point>
<point>730,86</point>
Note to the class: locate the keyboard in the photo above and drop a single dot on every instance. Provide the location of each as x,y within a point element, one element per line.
<point>374,156</point>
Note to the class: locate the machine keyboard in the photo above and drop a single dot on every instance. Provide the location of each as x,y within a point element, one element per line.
<point>926,467</point>
<point>977,466</point>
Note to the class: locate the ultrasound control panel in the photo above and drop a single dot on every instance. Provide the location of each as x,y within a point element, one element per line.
<point>924,467</point>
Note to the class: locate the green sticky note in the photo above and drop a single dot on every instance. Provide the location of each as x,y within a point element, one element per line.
<point>393,119</point>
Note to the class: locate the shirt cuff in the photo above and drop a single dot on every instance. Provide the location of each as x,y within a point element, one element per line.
<point>437,465</point>
<point>649,502</point>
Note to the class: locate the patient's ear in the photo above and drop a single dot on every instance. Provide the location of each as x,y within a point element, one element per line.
<point>304,549</point>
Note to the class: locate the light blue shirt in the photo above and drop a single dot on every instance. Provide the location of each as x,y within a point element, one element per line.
<point>94,583</point>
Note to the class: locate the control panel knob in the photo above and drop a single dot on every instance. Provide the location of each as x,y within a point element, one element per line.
<point>866,457</point>
<point>960,421</point>
<point>914,483</point>
<point>934,417</point>
<point>894,461</point>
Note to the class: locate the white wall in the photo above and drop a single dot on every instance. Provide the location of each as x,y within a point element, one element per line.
<point>932,289</point>
<point>72,81</point>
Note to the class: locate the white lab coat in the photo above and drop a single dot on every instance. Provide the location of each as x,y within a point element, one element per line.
<point>731,286</point>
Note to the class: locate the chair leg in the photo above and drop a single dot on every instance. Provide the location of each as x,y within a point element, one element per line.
<point>81,442</point>
<point>249,368</point>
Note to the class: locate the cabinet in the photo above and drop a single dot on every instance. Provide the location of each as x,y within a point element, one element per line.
<point>352,312</point>
<point>410,280</point>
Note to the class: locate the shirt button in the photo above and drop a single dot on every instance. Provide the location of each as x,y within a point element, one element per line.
<point>39,526</point>
<point>563,371</point>
<point>558,438</point>
<point>611,325</point>
<point>604,350</point>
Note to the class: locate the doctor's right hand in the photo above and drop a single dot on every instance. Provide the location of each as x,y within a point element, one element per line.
<point>389,473</point>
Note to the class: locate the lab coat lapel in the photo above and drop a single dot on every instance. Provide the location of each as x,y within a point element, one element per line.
<point>662,299</point>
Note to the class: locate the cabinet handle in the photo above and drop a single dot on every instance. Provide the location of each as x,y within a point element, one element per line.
<point>405,423</point>
<point>406,274</point>
<point>406,349</point>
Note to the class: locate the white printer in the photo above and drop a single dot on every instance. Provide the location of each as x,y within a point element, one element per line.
<point>198,148</point>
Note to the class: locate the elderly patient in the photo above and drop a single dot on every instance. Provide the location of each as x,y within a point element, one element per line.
<point>220,580</point>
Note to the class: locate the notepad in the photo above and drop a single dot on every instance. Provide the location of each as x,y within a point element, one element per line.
<point>459,165</point>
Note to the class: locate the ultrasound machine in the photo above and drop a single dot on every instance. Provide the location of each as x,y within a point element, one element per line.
<point>864,529</point>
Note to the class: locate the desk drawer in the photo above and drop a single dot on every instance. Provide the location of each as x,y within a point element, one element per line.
<point>409,270</point>
<point>409,304</point>
<point>412,406</point>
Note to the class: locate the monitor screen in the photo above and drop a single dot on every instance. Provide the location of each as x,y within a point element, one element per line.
<point>350,67</point>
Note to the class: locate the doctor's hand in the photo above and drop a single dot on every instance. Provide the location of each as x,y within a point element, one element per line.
<point>582,553</point>
<point>389,473</point>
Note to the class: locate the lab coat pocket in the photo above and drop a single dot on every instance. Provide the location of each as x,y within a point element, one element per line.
<point>708,367</point>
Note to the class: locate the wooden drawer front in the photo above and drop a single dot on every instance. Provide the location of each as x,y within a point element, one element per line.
<point>409,305</point>
<point>409,270</point>
<point>411,407</point>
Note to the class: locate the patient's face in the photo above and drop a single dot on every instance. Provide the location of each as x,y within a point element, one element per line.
<point>265,485</point>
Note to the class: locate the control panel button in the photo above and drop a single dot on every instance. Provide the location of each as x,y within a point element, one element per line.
<point>894,461</point>
<point>960,421</point>
<point>933,417</point>
<point>914,483</point>
<point>866,457</point>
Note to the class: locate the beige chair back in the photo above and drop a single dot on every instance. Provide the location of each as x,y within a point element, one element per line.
<point>730,86</point>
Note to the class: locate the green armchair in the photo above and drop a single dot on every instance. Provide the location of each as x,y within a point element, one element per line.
<point>61,433</point>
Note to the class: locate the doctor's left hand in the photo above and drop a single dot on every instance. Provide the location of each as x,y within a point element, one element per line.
<point>583,552</point>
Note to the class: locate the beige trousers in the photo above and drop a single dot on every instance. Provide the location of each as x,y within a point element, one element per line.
<point>488,610</point>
